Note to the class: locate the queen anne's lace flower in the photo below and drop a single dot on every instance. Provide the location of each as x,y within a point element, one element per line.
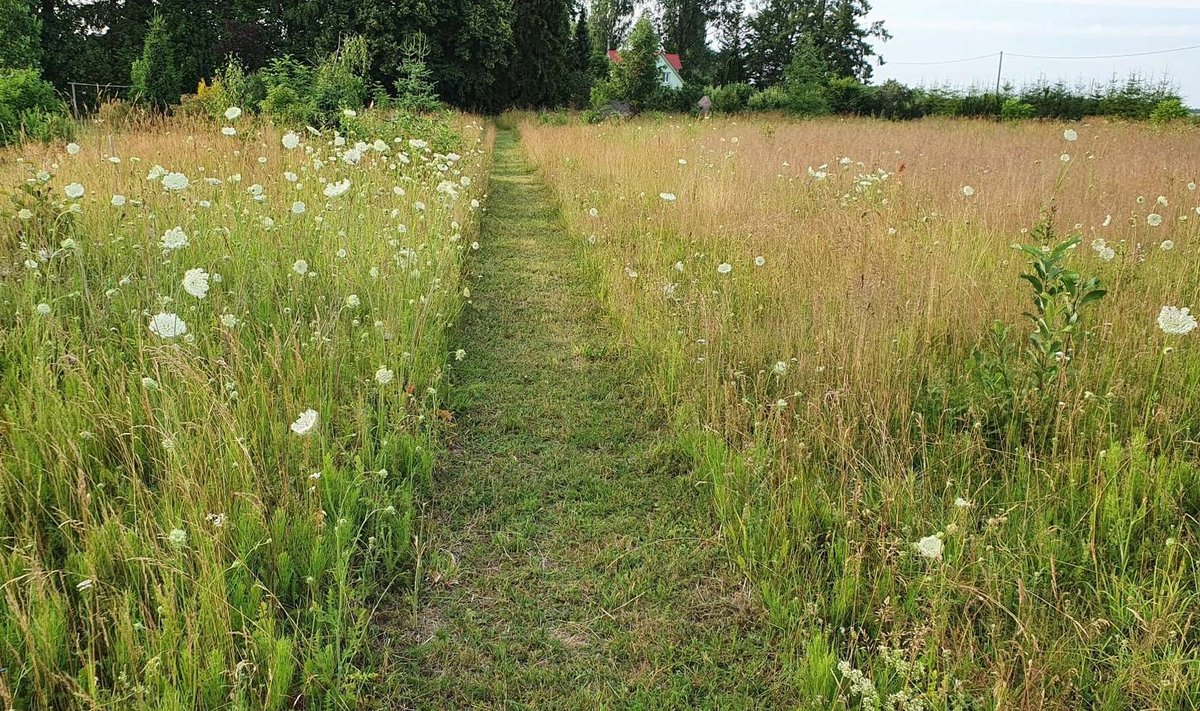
<point>930,547</point>
<point>195,282</point>
<point>167,325</point>
<point>1176,321</point>
<point>305,422</point>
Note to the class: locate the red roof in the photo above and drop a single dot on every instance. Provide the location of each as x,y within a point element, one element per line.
<point>672,59</point>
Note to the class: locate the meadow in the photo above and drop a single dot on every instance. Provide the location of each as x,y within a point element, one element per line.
<point>939,379</point>
<point>223,353</point>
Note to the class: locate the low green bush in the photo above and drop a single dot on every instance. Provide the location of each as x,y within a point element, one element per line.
<point>30,108</point>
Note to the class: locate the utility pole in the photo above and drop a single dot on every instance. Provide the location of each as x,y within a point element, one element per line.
<point>999,102</point>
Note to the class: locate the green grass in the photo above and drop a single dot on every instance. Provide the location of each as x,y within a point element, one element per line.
<point>568,558</point>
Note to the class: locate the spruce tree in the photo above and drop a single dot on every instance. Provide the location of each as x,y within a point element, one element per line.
<point>540,71</point>
<point>154,75</point>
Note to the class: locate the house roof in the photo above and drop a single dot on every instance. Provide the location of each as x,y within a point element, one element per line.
<point>672,59</point>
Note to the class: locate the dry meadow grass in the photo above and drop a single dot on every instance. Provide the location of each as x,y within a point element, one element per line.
<point>831,383</point>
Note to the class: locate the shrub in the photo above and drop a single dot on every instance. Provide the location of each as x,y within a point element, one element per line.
<point>773,98</point>
<point>232,86</point>
<point>847,95</point>
<point>340,80</point>
<point>730,98</point>
<point>1016,110</point>
<point>1169,110</point>
<point>30,108</point>
<point>283,104</point>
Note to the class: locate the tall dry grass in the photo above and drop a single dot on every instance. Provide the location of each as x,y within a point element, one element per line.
<point>168,538</point>
<point>830,397</point>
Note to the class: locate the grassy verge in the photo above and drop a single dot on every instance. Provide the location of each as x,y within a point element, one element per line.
<point>223,355</point>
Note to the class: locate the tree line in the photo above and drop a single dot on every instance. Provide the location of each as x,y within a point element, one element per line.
<point>482,55</point>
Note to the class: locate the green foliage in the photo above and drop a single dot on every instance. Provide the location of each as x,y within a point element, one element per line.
<point>1013,389</point>
<point>29,108</point>
<point>340,81</point>
<point>1059,297</point>
<point>414,88</point>
<point>232,86</point>
<point>155,76</point>
<point>635,78</point>
<point>1169,110</point>
<point>539,72</point>
<point>1015,110</point>
<point>730,98</point>
<point>20,30</point>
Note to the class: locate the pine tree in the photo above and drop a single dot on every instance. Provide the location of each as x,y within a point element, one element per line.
<point>20,47</point>
<point>155,75</point>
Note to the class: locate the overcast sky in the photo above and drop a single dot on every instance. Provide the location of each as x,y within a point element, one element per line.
<point>936,30</point>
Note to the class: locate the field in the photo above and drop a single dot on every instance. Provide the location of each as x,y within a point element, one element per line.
<point>668,413</point>
<point>933,504</point>
<point>223,352</point>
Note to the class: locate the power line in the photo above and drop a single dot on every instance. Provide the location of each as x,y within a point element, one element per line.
<point>1112,56</point>
<point>1040,56</point>
<point>948,61</point>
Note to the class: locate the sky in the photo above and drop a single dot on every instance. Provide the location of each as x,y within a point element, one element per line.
<point>939,30</point>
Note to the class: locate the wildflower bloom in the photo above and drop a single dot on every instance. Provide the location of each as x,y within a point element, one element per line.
<point>73,191</point>
<point>73,149</point>
<point>300,266</point>
<point>232,113</point>
<point>305,422</point>
<point>118,201</point>
<point>337,189</point>
<point>43,309</point>
<point>724,268</point>
<point>1154,219</point>
<point>290,140</point>
<point>668,197</point>
<point>968,191</point>
<point>195,282</point>
<point>166,325</point>
<point>384,375</point>
<point>760,261</point>
<point>1167,245</point>
<point>1175,321</point>
<point>177,538</point>
<point>1070,134</point>
<point>174,238</point>
<point>229,320</point>
<point>930,547</point>
<point>228,131</point>
<point>175,181</point>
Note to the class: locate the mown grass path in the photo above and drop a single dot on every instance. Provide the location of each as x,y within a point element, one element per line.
<point>567,553</point>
